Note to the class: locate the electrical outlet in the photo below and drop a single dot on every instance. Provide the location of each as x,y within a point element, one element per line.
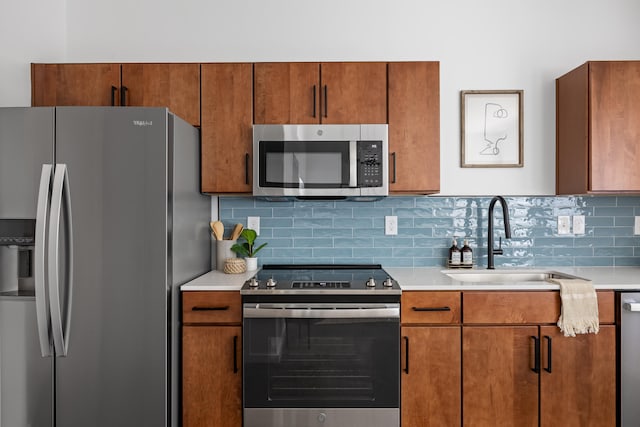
<point>564,224</point>
<point>391,225</point>
<point>253,222</point>
<point>636,226</point>
<point>578,224</point>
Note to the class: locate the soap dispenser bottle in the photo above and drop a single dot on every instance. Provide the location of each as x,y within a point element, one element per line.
<point>455,256</point>
<point>467,254</point>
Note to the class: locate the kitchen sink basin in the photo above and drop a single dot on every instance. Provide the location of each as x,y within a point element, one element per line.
<point>506,276</point>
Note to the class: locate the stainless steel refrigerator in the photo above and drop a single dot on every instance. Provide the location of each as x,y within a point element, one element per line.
<point>101,219</point>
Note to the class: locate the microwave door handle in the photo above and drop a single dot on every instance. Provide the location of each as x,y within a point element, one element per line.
<point>353,164</point>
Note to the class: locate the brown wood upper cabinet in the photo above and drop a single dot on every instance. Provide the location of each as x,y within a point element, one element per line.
<point>75,84</point>
<point>227,133</point>
<point>176,86</point>
<point>414,127</point>
<point>597,128</point>
<point>332,93</point>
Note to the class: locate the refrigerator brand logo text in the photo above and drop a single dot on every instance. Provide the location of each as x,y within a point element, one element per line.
<point>143,122</point>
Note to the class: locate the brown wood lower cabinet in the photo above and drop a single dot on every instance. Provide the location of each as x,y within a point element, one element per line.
<point>580,390</point>
<point>431,376</point>
<point>211,379</point>
<point>211,359</point>
<point>577,383</point>
<point>499,387</point>
<point>431,359</point>
<point>471,361</point>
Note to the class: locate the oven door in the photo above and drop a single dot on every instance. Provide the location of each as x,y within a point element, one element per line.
<point>298,356</point>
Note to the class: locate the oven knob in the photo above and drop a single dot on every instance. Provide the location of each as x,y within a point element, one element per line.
<point>271,283</point>
<point>371,283</point>
<point>322,417</point>
<point>253,283</point>
<point>387,283</point>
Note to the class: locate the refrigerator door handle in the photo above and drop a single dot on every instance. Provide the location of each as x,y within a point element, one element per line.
<point>60,195</point>
<point>42,304</point>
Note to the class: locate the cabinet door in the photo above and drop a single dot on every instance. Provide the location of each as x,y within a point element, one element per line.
<point>226,131</point>
<point>580,390</point>
<point>353,92</point>
<point>211,376</point>
<point>431,376</point>
<point>414,127</point>
<point>286,92</point>
<point>614,87</point>
<point>499,387</point>
<point>75,84</point>
<point>176,86</point>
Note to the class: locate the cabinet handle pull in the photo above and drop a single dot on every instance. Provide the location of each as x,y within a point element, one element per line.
<point>393,156</point>
<point>123,95</point>
<point>211,308</point>
<point>536,367</point>
<point>246,168</point>
<point>326,101</point>
<point>548,368</point>
<point>314,101</point>
<point>113,95</point>
<point>445,308</point>
<point>235,354</point>
<point>406,354</point>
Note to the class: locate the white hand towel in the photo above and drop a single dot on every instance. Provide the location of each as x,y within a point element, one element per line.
<point>579,311</point>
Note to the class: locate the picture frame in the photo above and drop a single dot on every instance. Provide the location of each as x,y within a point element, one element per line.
<point>491,129</point>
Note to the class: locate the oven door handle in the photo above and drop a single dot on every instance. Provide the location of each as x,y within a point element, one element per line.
<point>288,311</point>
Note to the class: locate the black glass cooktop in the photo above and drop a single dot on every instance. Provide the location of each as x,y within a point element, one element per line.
<point>331,278</point>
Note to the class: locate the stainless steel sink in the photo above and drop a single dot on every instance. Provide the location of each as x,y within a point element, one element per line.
<point>502,276</point>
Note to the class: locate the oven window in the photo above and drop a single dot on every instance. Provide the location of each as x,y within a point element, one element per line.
<point>292,362</point>
<point>304,164</point>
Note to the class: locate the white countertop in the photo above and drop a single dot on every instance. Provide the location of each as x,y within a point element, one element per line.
<point>218,281</point>
<point>432,279</point>
<point>413,279</point>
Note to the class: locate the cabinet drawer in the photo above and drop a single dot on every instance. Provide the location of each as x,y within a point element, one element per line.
<point>524,307</point>
<point>430,307</point>
<point>211,307</point>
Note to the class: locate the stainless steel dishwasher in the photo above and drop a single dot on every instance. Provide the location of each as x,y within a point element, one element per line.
<point>629,365</point>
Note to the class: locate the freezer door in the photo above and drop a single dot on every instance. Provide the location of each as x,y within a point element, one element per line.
<point>26,143</point>
<point>115,372</point>
<point>26,378</point>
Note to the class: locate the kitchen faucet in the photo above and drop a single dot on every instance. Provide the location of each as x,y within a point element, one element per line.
<point>507,230</point>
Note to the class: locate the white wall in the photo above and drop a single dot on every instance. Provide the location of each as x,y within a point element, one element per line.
<point>30,31</point>
<point>492,44</point>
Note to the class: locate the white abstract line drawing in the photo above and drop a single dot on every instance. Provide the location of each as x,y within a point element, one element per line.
<point>495,128</point>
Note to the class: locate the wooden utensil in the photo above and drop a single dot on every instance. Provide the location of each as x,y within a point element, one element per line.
<point>237,229</point>
<point>218,230</point>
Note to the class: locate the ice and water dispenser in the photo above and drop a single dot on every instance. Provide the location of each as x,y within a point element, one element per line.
<point>17,240</point>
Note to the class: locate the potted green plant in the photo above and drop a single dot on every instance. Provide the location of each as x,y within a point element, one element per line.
<point>248,249</point>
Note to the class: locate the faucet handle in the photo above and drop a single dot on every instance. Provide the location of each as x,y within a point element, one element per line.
<point>499,251</point>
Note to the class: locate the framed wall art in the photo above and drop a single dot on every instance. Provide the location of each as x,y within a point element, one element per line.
<point>491,129</point>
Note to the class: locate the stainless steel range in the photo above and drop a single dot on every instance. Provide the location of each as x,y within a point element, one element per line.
<point>321,347</point>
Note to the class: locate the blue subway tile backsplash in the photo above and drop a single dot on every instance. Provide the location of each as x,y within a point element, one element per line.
<point>337,232</point>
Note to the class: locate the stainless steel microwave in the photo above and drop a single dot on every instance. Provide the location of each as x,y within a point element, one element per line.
<point>321,161</point>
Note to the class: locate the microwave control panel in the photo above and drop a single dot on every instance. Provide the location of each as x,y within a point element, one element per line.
<point>370,164</point>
